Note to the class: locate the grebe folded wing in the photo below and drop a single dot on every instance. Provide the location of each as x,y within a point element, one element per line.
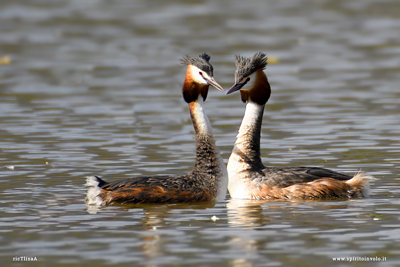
<point>147,189</point>
<point>287,176</point>
<point>159,180</point>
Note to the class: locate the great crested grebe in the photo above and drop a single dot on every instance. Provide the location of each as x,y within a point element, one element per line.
<point>249,178</point>
<point>206,182</point>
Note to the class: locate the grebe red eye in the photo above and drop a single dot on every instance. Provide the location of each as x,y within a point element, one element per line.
<point>201,73</point>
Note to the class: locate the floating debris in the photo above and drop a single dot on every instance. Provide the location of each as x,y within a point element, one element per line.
<point>272,60</point>
<point>214,218</point>
<point>5,60</point>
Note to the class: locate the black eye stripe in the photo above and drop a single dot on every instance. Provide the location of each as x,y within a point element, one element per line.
<point>246,81</point>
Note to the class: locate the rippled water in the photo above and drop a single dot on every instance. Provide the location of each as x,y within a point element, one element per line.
<point>94,87</point>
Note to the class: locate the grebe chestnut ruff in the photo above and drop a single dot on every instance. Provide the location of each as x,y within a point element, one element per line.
<point>249,178</point>
<point>206,182</point>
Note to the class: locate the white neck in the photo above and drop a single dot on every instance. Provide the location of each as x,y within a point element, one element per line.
<point>247,145</point>
<point>245,156</point>
<point>251,115</point>
<point>202,122</point>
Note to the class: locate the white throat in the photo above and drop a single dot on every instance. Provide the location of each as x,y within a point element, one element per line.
<point>249,119</point>
<point>203,123</point>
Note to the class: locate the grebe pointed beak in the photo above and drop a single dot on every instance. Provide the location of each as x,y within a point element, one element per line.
<point>237,86</point>
<point>234,88</point>
<point>213,83</point>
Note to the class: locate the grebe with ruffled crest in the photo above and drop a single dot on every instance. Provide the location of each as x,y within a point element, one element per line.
<point>206,182</point>
<point>249,178</point>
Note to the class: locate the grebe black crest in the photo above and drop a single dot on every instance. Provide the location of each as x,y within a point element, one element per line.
<point>206,182</point>
<point>249,178</point>
<point>247,66</point>
<point>202,62</point>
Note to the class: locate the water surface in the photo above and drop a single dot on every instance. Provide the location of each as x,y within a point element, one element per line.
<point>94,88</point>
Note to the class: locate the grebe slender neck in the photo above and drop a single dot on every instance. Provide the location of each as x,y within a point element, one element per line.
<point>247,145</point>
<point>209,163</point>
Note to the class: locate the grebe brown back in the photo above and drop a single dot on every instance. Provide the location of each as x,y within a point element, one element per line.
<point>206,182</point>
<point>249,178</point>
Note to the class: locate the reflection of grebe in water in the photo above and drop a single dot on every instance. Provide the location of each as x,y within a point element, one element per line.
<point>246,213</point>
<point>249,178</point>
<point>208,179</point>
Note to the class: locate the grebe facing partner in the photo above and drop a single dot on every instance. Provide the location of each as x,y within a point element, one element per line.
<point>206,182</point>
<point>249,178</point>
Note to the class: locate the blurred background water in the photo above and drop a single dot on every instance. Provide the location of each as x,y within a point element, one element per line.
<point>94,88</point>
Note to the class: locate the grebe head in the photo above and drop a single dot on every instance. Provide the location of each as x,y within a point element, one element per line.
<point>199,76</point>
<point>250,78</point>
